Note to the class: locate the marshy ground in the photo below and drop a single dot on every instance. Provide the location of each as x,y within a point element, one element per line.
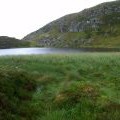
<point>82,86</point>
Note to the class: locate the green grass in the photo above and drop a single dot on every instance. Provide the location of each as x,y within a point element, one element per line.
<point>82,86</point>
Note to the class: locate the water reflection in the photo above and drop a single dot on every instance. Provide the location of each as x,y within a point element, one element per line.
<point>28,51</point>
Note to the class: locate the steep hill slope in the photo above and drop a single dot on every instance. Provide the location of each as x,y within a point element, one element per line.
<point>8,42</point>
<point>98,26</point>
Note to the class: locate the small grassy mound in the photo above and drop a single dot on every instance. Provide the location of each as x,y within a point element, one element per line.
<point>16,89</point>
<point>76,93</point>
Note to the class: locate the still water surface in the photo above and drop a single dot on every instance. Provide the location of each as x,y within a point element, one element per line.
<point>28,51</point>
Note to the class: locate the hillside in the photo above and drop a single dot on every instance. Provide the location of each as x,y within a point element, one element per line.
<point>8,42</point>
<point>98,26</point>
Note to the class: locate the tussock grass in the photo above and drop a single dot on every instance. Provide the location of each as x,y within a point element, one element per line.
<point>82,86</point>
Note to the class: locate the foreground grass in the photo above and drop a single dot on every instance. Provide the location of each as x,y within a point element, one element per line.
<point>60,87</point>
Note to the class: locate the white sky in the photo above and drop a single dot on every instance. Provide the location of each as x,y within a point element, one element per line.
<point>21,17</point>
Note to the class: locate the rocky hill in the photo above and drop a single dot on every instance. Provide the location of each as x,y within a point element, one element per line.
<point>98,26</point>
<point>8,42</point>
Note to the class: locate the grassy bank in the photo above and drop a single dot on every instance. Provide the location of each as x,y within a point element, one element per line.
<point>83,86</point>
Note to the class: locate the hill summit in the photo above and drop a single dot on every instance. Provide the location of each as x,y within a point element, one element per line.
<point>98,26</point>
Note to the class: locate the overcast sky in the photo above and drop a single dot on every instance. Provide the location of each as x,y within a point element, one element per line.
<point>21,17</point>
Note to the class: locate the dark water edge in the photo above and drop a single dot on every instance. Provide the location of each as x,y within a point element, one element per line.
<point>29,51</point>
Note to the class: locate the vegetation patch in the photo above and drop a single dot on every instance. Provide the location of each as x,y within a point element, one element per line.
<point>16,89</point>
<point>60,87</point>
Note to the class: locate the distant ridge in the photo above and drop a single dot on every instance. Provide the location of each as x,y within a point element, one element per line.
<point>9,42</point>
